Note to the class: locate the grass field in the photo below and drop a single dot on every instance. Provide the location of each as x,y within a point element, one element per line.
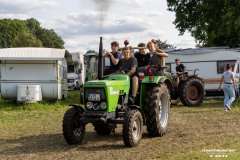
<point>205,132</point>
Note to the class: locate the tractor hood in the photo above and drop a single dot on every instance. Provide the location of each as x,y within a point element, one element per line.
<point>113,87</point>
<point>116,83</point>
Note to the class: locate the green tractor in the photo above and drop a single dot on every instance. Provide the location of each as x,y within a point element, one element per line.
<point>106,104</point>
<point>190,90</point>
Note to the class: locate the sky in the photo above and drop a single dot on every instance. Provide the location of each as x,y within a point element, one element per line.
<point>81,23</point>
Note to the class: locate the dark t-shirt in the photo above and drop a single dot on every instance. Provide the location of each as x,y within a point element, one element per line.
<point>113,68</point>
<point>127,65</point>
<point>180,68</point>
<point>143,60</point>
<point>155,59</point>
<point>118,56</point>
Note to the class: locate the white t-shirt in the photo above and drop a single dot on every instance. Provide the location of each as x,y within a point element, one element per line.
<point>227,75</point>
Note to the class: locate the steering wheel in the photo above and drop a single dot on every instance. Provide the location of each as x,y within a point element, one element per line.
<point>124,71</point>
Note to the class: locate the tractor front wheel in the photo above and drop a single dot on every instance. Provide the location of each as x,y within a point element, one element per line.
<point>132,128</point>
<point>72,127</point>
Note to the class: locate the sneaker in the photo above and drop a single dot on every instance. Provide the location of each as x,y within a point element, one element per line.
<point>228,107</point>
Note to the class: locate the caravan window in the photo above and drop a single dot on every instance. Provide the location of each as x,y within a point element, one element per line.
<point>70,68</point>
<point>221,65</point>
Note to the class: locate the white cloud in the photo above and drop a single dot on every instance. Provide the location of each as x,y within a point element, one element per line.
<point>132,2</point>
<point>88,23</point>
<point>184,43</point>
<point>155,33</point>
<point>14,16</point>
<point>107,3</point>
<point>25,6</point>
<point>81,23</point>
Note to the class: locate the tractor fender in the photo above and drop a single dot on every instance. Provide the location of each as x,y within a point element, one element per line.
<point>155,80</point>
<point>196,77</point>
<point>78,108</point>
<point>140,109</point>
<point>167,82</point>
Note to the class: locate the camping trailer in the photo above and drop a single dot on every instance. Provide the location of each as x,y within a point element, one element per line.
<point>34,73</point>
<point>210,63</point>
<point>75,73</point>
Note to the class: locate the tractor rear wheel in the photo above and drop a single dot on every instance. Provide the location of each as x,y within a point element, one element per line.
<point>132,128</point>
<point>72,127</point>
<point>192,92</point>
<point>156,110</point>
<point>104,128</point>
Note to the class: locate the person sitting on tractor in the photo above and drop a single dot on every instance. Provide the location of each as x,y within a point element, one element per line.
<point>143,58</point>
<point>115,57</point>
<point>180,69</point>
<point>157,55</point>
<point>129,65</point>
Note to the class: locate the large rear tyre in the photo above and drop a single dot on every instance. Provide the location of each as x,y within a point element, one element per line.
<point>156,110</point>
<point>104,128</point>
<point>192,92</point>
<point>132,128</point>
<point>72,127</point>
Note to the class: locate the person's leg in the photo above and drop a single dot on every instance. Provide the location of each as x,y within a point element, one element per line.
<point>177,79</point>
<point>134,86</point>
<point>231,93</point>
<point>226,96</point>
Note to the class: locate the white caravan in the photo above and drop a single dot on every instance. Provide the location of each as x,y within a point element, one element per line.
<point>237,74</point>
<point>76,74</point>
<point>210,63</point>
<point>33,74</point>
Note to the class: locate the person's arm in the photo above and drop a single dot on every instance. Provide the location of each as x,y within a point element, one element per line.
<point>234,83</point>
<point>133,66</point>
<point>184,69</point>
<point>161,53</point>
<point>133,70</point>
<point>113,59</point>
<point>219,88</point>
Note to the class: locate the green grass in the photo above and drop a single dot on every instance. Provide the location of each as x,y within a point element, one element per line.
<point>193,133</point>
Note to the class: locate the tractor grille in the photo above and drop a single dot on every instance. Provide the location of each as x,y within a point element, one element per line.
<point>93,94</point>
<point>95,99</point>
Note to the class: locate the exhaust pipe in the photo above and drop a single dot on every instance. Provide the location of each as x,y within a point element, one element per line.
<point>100,60</point>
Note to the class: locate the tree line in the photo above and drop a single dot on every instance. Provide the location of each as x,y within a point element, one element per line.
<point>210,22</point>
<point>27,33</point>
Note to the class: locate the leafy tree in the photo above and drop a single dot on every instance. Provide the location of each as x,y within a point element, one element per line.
<point>49,38</point>
<point>91,51</point>
<point>9,29</point>
<point>13,30</point>
<point>25,39</point>
<point>211,22</point>
<point>162,45</point>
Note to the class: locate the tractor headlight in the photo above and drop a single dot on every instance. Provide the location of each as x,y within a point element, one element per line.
<point>96,106</point>
<point>89,105</point>
<point>103,105</point>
